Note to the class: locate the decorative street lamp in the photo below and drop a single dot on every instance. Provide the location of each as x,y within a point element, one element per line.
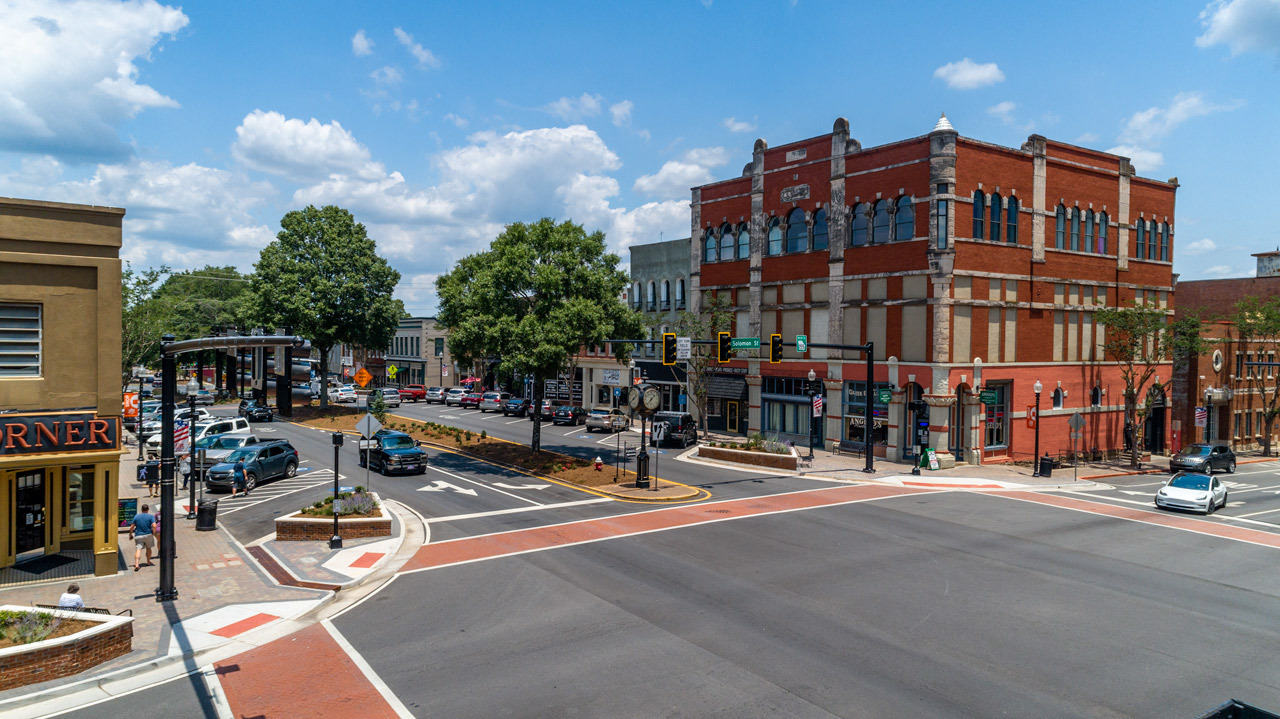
<point>813,426</point>
<point>335,542</point>
<point>1035,461</point>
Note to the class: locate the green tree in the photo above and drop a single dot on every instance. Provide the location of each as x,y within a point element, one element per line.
<point>541,293</point>
<point>323,278</point>
<point>715,317</point>
<point>144,320</point>
<point>1257,325</point>
<point>200,300</point>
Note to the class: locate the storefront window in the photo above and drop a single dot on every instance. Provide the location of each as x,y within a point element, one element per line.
<point>997,425</point>
<point>785,406</point>
<point>80,499</point>
<point>855,414</point>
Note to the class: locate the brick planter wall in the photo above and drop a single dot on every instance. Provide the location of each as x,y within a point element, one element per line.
<point>65,656</point>
<point>297,528</point>
<point>760,459</point>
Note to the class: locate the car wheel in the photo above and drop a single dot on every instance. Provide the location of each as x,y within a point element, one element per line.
<point>250,481</point>
<point>1231,467</point>
<point>1210,507</point>
<point>291,469</point>
<point>1224,499</point>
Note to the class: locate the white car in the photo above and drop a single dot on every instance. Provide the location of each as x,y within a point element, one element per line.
<point>151,423</point>
<point>1193,491</point>
<point>345,393</point>
<point>217,446</point>
<point>215,425</point>
<point>607,419</point>
<point>454,396</point>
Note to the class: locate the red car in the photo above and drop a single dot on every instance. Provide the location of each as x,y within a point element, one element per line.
<point>471,400</point>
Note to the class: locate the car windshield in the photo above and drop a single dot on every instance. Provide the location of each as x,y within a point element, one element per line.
<point>245,454</point>
<point>1195,451</point>
<point>1190,481</point>
<point>205,442</point>
<point>399,442</point>
<point>225,442</point>
<point>600,412</point>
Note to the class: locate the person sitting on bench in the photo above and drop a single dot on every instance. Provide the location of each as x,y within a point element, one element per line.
<point>71,598</point>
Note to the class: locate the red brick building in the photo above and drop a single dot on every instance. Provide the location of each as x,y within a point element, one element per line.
<point>970,266</point>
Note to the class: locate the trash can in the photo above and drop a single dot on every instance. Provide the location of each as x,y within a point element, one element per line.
<point>207,515</point>
<point>1046,466</point>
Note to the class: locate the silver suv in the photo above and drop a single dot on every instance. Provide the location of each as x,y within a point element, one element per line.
<point>454,396</point>
<point>434,394</point>
<point>390,396</point>
<point>493,401</point>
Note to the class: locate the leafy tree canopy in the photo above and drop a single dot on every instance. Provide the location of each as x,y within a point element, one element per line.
<point>200,300</point>
<point>143,321</point>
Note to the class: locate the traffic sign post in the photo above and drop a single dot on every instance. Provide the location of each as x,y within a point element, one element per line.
<point>363,377</point>
<point>684,348</point>
<point>1077,433</point>
<point>392,370</point>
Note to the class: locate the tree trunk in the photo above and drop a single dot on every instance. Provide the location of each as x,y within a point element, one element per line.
<point>1130,417</point>
<point>535,443</point>
<point>1267,422</point>
<point>324,376</point>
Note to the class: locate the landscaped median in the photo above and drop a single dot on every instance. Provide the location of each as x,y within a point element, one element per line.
<point>37,645</point>
<point>360,515</point>
<point>756,451</point>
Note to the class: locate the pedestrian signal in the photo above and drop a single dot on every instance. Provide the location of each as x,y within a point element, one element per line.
<point>775,349</point>
<point>668,348</point>
<point>722,347</point>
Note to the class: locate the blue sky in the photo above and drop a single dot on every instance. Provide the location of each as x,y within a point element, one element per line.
<point>437,123</point>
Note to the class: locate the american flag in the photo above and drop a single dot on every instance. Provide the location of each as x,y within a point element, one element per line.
<point>1202,416</point>
<point>181,436</point>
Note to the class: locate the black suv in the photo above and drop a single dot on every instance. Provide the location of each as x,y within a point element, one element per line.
<point>254,412</point>
<point>681,429</point>
<point>394,452</point>
<point>262,461</point>
<point>1203,458</point>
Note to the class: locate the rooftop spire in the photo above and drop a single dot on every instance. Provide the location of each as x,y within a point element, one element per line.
<point>943,125</point>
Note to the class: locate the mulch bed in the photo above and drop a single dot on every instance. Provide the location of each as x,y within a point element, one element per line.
<point>65,627</point>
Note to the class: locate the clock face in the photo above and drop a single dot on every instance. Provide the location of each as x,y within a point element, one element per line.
<point>633,397</point>
<point>652,398</point>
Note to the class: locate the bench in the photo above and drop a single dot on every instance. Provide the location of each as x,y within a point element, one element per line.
<point>89,610</point>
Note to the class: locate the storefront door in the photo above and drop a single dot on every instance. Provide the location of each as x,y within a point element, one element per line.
<point>29,512</point>
<point>731,417</point>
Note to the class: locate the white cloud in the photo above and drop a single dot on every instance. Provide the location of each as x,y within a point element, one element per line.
<point>1144,160</point>
<point>1146,128</point>
<point>1199,247</point>
<point>1086,138</point>
<point>621,113</point>
<point>736,125</point>
<point>572,110</point>
<point>268,142</point>
<point>387,75</point>
<point>1242,25</point>
<point>424,56</point>
<point>1003,110</point>
<point>460,122</point>
<point>1217,272</point>
<point>70,74</point>
<point>968,75</point>
<point>676,176</point>
<point>361,44</point>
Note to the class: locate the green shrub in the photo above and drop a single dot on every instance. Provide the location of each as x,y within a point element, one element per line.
<point>377,407</point>
<point>484,434</point>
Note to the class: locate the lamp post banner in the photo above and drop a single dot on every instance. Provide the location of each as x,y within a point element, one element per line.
<point>1033,416</point>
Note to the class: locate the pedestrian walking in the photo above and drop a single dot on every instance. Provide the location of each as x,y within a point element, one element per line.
<point>185,467</point>
<point>238,479</point>
<point>141,531</point>
<point>153,481</point>
<point>70,599</point>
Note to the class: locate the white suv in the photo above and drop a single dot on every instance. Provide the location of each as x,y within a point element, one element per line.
<point>217,425</point>
<point>493,401</point>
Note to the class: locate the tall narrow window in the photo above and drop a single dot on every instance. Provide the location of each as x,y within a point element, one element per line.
<point>709,247</point>
<point>1140,226</point>
<point>1153,238</point>
<point>726,243</point>
<point>880,222</point>
<point>820,241</point>
<point>679,294</point>
<point>775,237</point>
<point>996,209</point>
<point>1088,231</point>
<point>904,220</point>
<point>653,299</point>
<point>744,242</point>
<point>1075,228</point>
<point>941,208</point>
<point>1060,231</point>
<point>1057,398</point>
<point>859,233</point>
<point>666,295</point>
<point>1095,397</point>
<point>1164,242</point>
<point>1011,221</point>
<point>638,298</point>
<point>797,231</point>
<point>1102,233</point>
<point>20,340</point>
<point>979,212</point>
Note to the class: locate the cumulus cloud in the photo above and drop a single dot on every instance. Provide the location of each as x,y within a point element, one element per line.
<point>1086,138</point>
<point>1217,272</point>
<point>1144,160</point>
<point>460,122</point>
<point>361,44</point>
<point>736,125</point>
<point>268,142</point>
<point>1199,247</point>
<point>1147,128</point>
<point>70,73</point>
<point>968,75</point>
<point>1242,25</point>
<point>571,110</point>
<point>424,56</point>
<point>621,113</point>
<point>387,75</point>
<point>675,177</point>
<point>1003,110</point>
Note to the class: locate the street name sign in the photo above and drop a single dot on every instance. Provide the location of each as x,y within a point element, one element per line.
<point>744,343</point>
<point>884,396</point>
<point>988,396</point>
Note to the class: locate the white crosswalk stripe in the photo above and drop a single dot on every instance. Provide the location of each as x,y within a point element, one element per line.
<point>278,488</point>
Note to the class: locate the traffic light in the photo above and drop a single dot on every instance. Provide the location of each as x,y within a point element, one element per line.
<point>775,349</point>
<point>722,347</point>
<point>668,348</point>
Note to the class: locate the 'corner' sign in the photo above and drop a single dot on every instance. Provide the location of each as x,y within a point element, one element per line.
<point>57,433</point>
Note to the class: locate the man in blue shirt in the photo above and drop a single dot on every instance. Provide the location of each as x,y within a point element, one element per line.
<point>142,532</point>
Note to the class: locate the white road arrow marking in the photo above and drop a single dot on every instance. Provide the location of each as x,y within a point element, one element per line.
<point>440,485</point>
<point>504,485</point>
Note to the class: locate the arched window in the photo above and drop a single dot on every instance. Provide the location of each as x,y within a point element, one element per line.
<point>666,294</point>
<point>859,233</point>
<point>775,237</point>
<point>1164,241</point>
<point>637,299</point>
<point>797,231</point>
<point>744,242</point>
<point>653,299</point>
<point>1075,228</point>
<point>709,247</point>
<point>1088,231</point>
<point>679,294</point>
<point>1095,397</point>
<point>904,219</point>
<point>1141,226</point>
<point>880,222</point>
<point>979,212</point>
<point>820,240</point>
<point>995,217</point>
<point>1060,232</point>
<point>1102,233</point>
<point>1057,398</point>
<point>726,243</point>
<point>1011,221</point>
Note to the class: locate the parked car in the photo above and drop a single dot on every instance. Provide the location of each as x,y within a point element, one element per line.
<point>413,392</point>
<point>345,393</point>
<point>454,396</point>
<point>396,452</point>
<point>151,423</point>
<point>548,410</point>
<point>1197,491</point>
<point>493,400</point>
<point>434,394</point>
<point>262,461</point>
<point>568,414</point>
<point>517,406</point>
<point>1204,458</point>
<point>214,425</point>
<point>470,399</point>
<point>204,397</point>
<point>255,411</point>
<point>144,409</point>
<point>217,447</point>
<point>390,396</point>
<point>607,419</point>
<point>681,429</point>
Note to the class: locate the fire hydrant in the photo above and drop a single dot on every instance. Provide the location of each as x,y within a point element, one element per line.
<point>599,464</point>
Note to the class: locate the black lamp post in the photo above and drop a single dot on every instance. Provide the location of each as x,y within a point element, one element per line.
<point>192,387</point>
<point>1035,460</point>
<point>813,423</point>
<point>1208,414</point>
<point>335,542</point>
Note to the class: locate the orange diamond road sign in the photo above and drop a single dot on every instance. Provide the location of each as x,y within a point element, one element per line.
<point>363,377</point>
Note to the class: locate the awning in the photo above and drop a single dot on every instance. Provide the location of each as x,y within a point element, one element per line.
<point>727,387</point>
